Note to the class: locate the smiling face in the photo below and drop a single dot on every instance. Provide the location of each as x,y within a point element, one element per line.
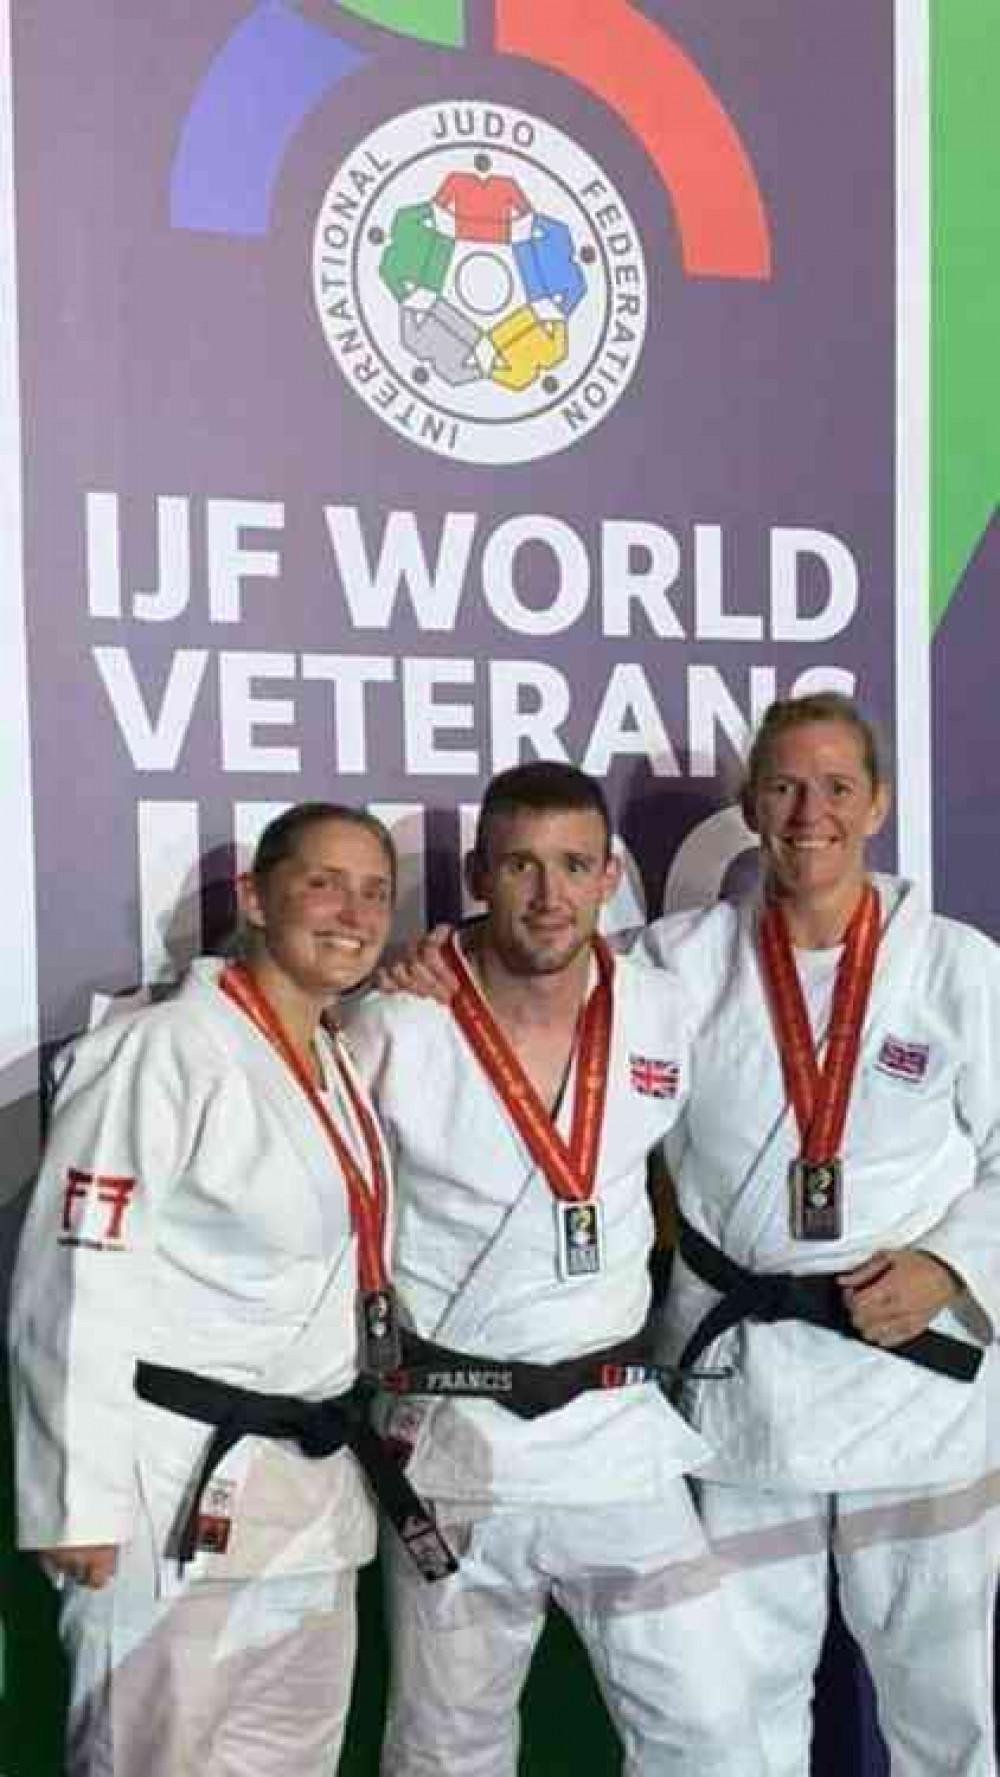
<point>545,877</point>
<point>815,807</point>
<point>323,913</point>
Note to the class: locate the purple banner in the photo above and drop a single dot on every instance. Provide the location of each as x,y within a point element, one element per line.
<point>396,411</point>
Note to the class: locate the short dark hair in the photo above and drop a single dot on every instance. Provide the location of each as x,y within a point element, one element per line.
<point>787,713</point>
<point>280,838</point>
<point>542,787</point>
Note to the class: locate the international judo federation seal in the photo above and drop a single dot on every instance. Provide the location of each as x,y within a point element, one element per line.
<point>480,282</point>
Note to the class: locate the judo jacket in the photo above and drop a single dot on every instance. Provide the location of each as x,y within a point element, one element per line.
<point>189,1212</point>
<point>475,1259</point>
<point>921,1165</point>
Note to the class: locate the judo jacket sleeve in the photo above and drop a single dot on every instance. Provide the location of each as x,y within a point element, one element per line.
<point>967,1237</point>
<point>126,1111</point>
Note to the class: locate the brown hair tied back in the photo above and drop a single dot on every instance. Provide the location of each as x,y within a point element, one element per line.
<point>281,836</point>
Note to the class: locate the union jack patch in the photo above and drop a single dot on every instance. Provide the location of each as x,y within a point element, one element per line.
<point>904,1061</point>
<point>654,1079</point>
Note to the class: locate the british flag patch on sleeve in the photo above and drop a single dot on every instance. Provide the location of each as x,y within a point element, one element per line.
<point>905,1061</point>
<point>654,1079</point>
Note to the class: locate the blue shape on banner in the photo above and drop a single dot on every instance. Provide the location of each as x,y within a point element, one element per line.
<point>267,78</point>
<point>547,263</point>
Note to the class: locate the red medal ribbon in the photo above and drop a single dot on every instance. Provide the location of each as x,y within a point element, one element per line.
<point>571,1171</point>
<point>368,1197</point>
<point>820,1095</point>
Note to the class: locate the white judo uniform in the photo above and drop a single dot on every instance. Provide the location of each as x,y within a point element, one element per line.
<point>190,1212</point>
<point>822,1442</point>
<point>587,1503</point>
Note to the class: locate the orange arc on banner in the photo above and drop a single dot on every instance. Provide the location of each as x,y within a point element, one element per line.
<point>653,85</point>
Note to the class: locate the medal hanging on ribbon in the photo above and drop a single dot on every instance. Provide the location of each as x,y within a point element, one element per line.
<point>368,1197</point>
<point>816,1199</point>
<point>569,1169</point>
<point>819,1095</point>
<point>580,1233</point>
<point>378,1331</point>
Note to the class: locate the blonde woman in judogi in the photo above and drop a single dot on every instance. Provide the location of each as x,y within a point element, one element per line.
<point>838,1180</point>
<point>212,1205</point>
<point>520,1117</point>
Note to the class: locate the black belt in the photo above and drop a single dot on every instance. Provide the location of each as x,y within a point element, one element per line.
<point>785,1295</point>
<point>317,1427</point>
<point>524,1388</point>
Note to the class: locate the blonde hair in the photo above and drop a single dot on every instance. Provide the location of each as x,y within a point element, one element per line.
<point>787,713</point>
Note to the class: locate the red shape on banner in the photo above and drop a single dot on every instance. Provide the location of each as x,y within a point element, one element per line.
<point>643,75</point>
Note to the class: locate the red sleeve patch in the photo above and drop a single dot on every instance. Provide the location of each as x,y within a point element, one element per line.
<point>94,1209</point>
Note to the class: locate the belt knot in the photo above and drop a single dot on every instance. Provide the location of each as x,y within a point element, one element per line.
<point>769,1296</point>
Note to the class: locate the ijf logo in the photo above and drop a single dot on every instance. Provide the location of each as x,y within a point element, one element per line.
<point>480,282</point>
<point>477,273</point>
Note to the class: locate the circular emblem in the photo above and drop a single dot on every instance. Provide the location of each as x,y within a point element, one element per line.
<point>480,282</point>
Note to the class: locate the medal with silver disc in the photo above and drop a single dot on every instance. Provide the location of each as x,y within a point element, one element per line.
<point>580,1238</point>
<point>819,1094</point>
<point>816,1199</point>
<point>570,1168</point>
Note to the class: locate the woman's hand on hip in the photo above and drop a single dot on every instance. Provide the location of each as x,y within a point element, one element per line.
<point>894,1296</point>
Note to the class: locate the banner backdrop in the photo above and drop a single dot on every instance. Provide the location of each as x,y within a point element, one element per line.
<point>394,390</point>
<point>416,388</point>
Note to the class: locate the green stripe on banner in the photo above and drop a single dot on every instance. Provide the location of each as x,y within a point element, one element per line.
<point>435,21</point>
<point>965,363</point>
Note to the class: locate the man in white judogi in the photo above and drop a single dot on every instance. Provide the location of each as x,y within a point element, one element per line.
<point>521,1118</point>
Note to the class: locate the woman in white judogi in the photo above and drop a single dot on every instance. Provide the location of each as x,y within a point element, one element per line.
<point>858,1190</point>
<point>214,1192</point>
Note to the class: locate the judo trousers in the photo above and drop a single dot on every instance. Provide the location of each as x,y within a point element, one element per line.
<point>247,1678</point>
<point>641,1588</point>
<point>917,1581</point>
